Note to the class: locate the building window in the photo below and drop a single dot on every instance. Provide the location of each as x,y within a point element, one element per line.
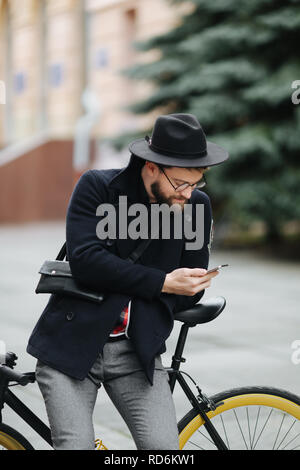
<point>19,83</point>
<point>56,75</point>
<point>102,58</point>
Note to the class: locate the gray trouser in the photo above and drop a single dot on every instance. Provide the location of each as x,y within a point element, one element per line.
<point>147,410</point>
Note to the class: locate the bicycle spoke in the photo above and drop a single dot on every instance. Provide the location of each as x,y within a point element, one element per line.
<point>240,428</point>
<point>247,413</point>
<point>263,427</point>
<point>212,442</point>
<point>199,447</point>
<point>225,432</point>
<point>258,413</point>
<point>286,434</point>
<point>283,418</point>
<point>291,441</point>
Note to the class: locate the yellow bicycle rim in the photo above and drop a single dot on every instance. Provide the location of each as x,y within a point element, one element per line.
<point>9,442</point>
<point>237,401</point>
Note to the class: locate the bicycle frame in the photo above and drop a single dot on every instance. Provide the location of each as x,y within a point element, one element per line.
<point>201,403</point>
<point>8,398</point>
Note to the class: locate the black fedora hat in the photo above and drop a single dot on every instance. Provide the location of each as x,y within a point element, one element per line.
<point>178,140</point>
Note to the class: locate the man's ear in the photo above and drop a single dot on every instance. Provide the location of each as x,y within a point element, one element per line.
<point>151,167</point>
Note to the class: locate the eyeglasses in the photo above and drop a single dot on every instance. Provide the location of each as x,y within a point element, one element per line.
<point>184,186</point>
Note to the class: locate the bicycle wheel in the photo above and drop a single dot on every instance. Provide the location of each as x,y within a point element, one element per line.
<point>248,418</point>
<point>10,439</point>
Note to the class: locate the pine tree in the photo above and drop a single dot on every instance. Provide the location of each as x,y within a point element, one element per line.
<point>232,64</point>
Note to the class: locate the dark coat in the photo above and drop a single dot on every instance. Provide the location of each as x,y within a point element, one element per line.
<point>71,333</point>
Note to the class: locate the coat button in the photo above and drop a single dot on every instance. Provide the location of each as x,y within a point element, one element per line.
<point>109,242</point>
<point>70,316</point>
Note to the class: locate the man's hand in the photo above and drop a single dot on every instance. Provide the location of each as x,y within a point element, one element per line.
<point>187,281</point>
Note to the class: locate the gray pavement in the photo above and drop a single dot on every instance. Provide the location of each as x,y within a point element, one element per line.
<point>248,344</point>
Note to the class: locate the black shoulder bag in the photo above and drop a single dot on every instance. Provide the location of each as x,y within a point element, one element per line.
<point>56,276</point>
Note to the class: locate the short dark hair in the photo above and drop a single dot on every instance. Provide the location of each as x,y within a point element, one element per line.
<point>187,168</point>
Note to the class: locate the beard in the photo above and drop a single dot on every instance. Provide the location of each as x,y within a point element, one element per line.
<point>162,199</point>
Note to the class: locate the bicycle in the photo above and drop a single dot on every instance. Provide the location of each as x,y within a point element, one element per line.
<point>246,418</point>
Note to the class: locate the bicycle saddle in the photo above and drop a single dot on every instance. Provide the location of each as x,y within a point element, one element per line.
<point>203,312</point>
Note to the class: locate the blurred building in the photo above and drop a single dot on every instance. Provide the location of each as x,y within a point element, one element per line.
<point>51,51</point>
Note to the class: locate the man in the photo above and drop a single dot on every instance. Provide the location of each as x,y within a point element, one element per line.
<point>80,344</point>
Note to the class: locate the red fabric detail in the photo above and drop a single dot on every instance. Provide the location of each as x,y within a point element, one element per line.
<point>121,328</point>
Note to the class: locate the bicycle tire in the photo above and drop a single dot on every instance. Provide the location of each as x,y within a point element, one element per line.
<point>10,439</point>
<point>231,403</point>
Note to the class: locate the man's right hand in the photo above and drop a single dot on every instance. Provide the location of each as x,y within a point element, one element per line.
<point>187,281</point>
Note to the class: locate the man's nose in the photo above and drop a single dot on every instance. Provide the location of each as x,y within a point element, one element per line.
<point>187,192</point>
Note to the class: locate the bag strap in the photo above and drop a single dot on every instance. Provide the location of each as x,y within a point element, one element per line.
<point>132,257</point>
<point>139,250</point>
<point>62,253</point>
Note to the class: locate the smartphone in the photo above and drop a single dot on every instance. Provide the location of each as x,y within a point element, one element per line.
<point>217,268</point>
